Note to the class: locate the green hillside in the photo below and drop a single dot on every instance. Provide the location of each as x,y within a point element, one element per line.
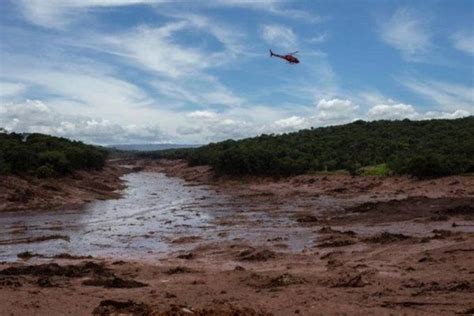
<point>46,156</point>
<point>428,148</point>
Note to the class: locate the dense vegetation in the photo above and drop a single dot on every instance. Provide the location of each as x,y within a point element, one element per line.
<point>429,148</point>
<point>46,156</point>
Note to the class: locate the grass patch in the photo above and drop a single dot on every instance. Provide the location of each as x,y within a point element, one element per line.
<point>381,170</point>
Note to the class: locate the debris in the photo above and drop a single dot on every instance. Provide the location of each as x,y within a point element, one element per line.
<point>44,282</point>
<point>26,255</point>
<point>187,256</point>
<point>306,218</point>
<point>54,269</point>
<point>186,239</point>
<point>169,295</point>
<point>351,281</point>
<point>9,282</point>
<point>386,237</point>
<point>285,280</point>
<point>256,255</point>
<point>33,239</point>
<point>114,282</point>
<point>111,307</point>
<point>337,243</point>
<point>178,269</point>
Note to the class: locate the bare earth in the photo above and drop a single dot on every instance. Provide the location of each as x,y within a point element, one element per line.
<point>376,246</point>
<point>30,193</point>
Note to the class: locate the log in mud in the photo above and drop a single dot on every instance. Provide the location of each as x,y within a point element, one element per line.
<point>179,241</point>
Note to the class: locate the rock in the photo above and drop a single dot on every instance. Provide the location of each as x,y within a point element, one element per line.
<point>44,282</point>
<point>386,237</point>
<point>114,282</point>
<point>337,243</point>
<point>54,269</point>
<point>178,269</point>
<point>187,256</point>
<point>256,255</point>
<point>285,280</point>
<point>111,307</point>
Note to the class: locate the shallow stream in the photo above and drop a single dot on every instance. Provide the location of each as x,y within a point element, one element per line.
<point>155,216</point>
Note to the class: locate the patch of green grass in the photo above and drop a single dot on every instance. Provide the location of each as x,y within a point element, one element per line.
<point>381,170</point>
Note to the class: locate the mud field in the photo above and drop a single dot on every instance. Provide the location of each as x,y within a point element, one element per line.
<point>180,241</point>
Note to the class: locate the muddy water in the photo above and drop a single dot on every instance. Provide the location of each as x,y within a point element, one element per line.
<point>157,215</point>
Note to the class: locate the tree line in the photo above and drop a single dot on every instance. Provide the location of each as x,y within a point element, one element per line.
<point>46,156</point>
<point>429,148</point>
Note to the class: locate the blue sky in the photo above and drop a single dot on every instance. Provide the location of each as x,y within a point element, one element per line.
<point>141,71</point>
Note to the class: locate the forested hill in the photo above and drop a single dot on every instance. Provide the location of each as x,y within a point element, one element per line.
<point>46,156</point>
<point>421,148</point>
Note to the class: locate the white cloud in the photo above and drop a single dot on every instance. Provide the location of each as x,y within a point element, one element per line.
<point>280,36</point>
<point>59,13</point>
<point>231,37</point>
<point>204,115</point>
<point>11,89</point>
<point>293,123</point>
<point>87,87</point>
<point>154,49</point>
<point>335,110</point>
<point>392,112</point>
<point>319,38</point>
<point>445,115</point>
<point>402,111</point>
<point>180,70</point>
<point>201,90</point>
<point>195,126</point>
<point>189,130</point>
<point>448,95</point>
<point>212,126</point>
<point>36,116</point>
<point>407,31</point>
<point>275,7</point>
<point>240,122</point>
<point>464,42</point>
<point>372,97</point>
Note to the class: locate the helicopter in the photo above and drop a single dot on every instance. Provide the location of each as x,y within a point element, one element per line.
<point>288,57</point>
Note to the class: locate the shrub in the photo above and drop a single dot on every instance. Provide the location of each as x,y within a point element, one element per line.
<point>381,170</point>
<point>56,160</point>
<point>20,159</point>
<point>430,165</point>
<point>45,171</point>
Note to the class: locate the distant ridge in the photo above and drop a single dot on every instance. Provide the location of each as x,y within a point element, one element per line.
<point>150,147</point>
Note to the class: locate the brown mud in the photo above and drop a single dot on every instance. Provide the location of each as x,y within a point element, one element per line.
<point>71,191</point>
<point>371,246</point>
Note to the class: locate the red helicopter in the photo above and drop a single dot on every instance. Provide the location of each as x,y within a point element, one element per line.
<point>289,57</point>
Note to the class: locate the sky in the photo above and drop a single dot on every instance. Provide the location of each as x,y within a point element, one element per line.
<point>193,72</point>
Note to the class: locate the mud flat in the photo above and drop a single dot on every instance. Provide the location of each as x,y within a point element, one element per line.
<point>307,245</point>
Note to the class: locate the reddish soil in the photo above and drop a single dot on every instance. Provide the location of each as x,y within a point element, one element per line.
<point>382,246</point>
<point>72,191</point>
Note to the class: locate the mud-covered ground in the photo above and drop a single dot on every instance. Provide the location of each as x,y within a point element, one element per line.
<point>31,193</point>
<point>307,245</point>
